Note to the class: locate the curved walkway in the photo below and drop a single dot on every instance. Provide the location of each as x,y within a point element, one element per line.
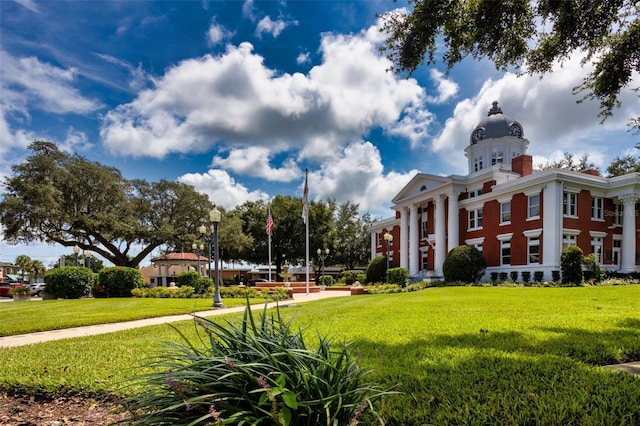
<point>90,330</point>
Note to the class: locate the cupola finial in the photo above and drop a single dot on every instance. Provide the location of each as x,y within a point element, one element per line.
<point>495,109</point>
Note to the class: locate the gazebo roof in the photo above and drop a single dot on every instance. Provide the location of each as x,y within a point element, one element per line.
<point>177,257</point>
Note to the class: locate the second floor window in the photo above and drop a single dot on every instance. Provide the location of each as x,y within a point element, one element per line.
<point>596,208</point>
<point>505,212</point>
<point>570,204</point>
<point>534,206</point>
<point>475,219</point>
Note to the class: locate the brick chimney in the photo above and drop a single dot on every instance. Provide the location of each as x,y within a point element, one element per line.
<point>522,164</point>
<point>592,172</point>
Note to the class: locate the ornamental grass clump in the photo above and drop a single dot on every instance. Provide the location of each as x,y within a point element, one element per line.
<point>255,373</point>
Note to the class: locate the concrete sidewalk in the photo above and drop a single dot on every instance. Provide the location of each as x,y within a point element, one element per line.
<point>67,333</point>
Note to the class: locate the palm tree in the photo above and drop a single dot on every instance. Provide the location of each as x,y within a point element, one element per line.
<point>37,269</point>
<point>24,262</point>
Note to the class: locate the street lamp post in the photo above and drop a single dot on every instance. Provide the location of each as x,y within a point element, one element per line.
<point>197,249</point>
<point>76,250</point>
<point>210,235</point>
<point>322,256</point>
<point>388,237</point>
<point>88,255</point>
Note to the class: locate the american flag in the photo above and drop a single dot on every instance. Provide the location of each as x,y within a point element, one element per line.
<point>270,223</point>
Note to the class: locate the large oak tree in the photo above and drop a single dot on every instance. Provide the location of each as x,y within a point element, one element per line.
<point>537,34</point>
<point>65,199</point>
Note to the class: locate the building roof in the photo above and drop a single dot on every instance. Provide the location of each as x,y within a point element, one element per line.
<point>496,125</point>
<point>172,257</point>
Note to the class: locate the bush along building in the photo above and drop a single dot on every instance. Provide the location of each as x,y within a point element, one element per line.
<point>520,218</point>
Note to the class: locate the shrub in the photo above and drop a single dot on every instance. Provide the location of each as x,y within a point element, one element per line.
<point>594,271</point>
<point>399,276</point>
<point>325,280</point>
<point>503,276</point>
<point>189,278</point>
<point>555,276</point>
<point>118,281</point>
<point>526,277</point>
<point>69,282</point>
<point>361,277</point>
<point>494,277</point>
<point>514,276</point>
<point>538,276</point>
<point>571,265</point>
<point>376,270</point>
<point>255,373</point>
<point>349,275</point>
<point>464,263</point>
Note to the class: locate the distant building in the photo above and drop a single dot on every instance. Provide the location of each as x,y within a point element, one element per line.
<point>520,218</point>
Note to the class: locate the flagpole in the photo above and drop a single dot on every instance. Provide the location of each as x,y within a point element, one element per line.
<point>269,229</point>
<point>305,216</point>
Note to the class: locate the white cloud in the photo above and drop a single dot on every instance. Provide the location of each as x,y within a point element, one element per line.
<point>234,100</point>
<point>357,175</point>
<point>248,10</point>
<point>29,4</point>
<point>221,188</point>
<point>216,34</point>
<point>547,110</point>
<point>41,85</point>
<point>303,58</point>
<point>254,161</point>
<point>445,88</point>
<point>266,25</point>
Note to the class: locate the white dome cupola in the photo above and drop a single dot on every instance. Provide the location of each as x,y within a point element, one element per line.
<point>495,140</point>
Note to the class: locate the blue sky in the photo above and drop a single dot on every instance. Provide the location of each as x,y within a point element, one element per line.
<point>238,97</point>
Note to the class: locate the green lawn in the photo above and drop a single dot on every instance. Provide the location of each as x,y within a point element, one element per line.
<point>460,355</point>
<point>29,317</point>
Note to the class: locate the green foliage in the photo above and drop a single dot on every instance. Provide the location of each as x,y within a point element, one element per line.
<point>514,276</point>
<point>399,276</point>
<point>464,263</point>
<point>594,272</point>
<point>571,265</point>
<point>182,292</point>
<point>555,276</point>
<point>623,165</point>
<point>537,363</point>
<point>70,282</point>
<point>538,276</point>
<point>48,195</point>
<point>189,278</point>
<point>253,373</point>
<point>377,270</point>
<point>526,276</point>
<point>325,280</point>
<point>540,34</point>
<point>20,291</point>
<point>118,281</point>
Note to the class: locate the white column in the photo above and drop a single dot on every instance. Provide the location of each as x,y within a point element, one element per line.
<point>441,252</point>
<point>374,244</point>
<point>453,222</point>
<point>629,232</point>
<point>414,241</point>
<point>404,239</point>
<point>552,226</point>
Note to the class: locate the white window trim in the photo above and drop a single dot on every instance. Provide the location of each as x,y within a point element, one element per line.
<point>532,233</point>
<point>597,234</point>
<point>529,206</point>
<point>565,197</point>
<point>506,222</point>
<point>474,241</point>
<point>476,226</point>
<point>504,237</point>
<point>593,210</point>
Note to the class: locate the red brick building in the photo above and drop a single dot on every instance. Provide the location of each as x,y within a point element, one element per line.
<point>520,218</point>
